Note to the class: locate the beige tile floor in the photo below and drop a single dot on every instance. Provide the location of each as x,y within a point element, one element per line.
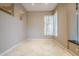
<point>39,47</point>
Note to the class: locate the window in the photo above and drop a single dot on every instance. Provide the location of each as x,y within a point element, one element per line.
<point>50,25</point>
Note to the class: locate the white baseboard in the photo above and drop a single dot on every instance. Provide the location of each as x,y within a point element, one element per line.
<point>9,49</point>
<point>2,54</point>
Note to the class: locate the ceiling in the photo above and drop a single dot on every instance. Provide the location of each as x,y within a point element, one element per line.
<point>39,6</point>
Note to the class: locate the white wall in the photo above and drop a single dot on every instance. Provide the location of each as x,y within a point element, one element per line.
<point>36,25</point>
<point>72,21</point>
<point>12,29</point>
<point>62,24</point>
<point>19,10</point>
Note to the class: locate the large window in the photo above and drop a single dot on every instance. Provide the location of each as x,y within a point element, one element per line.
<point>50,25</point>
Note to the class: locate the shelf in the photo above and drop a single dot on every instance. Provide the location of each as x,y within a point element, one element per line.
<point>73,41</point>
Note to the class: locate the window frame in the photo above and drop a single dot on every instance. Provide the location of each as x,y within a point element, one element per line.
<point>55,32</point>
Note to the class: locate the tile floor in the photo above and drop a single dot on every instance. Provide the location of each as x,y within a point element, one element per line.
<point>39,47</point>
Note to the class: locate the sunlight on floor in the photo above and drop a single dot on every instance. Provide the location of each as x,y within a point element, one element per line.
<point>39,47</point>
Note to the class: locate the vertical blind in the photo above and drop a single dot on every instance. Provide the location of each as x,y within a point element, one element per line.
<point>50,25</point>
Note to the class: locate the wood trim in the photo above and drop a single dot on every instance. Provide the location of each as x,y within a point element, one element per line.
<point>12,10</point>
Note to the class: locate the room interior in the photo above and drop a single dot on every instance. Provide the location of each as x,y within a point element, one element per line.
<point>21,23</point>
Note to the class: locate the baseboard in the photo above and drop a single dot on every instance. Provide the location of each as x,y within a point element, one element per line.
<point>2,54</point>
<point>73,54</point>
<point>9,49</point>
